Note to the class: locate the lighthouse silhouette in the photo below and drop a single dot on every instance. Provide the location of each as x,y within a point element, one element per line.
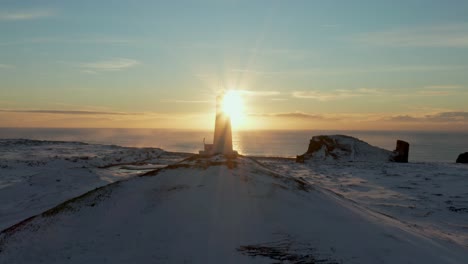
<point>222,140</point>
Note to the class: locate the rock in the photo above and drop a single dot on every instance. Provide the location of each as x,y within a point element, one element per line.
<point>342,148</point>
<point>300,158</point>
<point>401,152</point>
<point>462,158</point>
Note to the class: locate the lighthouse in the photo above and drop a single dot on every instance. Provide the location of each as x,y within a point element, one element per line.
<point>222,140</point>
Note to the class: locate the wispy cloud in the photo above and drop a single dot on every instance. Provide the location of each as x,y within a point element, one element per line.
<point>74,40</point>
<point>285,53</point>
<point>66,112</point>
<point>355,70</point>
<point>258,93</point>
<point>453,35</point>
<point>444,87</point>
<point>6,66</point>
<point>116,64</point>
<point>434,90</point>
<point>26,14</point>
<point>299,115</point>
<point>85,40</point>
<point>443,117</point>
<point>185,101</point>
<point>257,72</point>
<point>330,25</point>
<point>439,119</point>
<point>431,92</point>
<point>336,94</point>
<point>401,118</point>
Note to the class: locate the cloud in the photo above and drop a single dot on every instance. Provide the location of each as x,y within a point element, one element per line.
<point>438,87</point>
<point>330,25</point>
<point>284,53</point>
<point>66,112</point>
<point>299,115</point>
<point>336,94</point>
<point>448,117</point>
<point>452,35</point>
<point>436,90</point>
<point>442,117</point>
<point>109,65</point>
<point>185,101</point>
<point>433,93</point>
<point>6,66</point>
<point>356,70</point>
<point>89,71</point>
<point>74,40</point>
<point>26,15</point>
<point>402,118</point>
<point>259,72</point>
<point>258,93</point>
<point>84,40</point>
<point>320,96</point>
<point>442,90</point>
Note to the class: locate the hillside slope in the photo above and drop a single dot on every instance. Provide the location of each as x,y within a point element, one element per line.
<point>217,211</point>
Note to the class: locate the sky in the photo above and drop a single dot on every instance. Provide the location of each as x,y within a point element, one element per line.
<point>351,65</point>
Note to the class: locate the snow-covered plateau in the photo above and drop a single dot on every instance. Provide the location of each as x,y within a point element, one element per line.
<point>69,202</point>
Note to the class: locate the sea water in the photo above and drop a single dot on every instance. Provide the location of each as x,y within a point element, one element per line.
<point>424,146</point>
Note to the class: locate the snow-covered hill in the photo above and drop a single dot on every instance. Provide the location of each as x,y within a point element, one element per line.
<point>38,175</point>
<point>429,197</point>
<point>219,211</point>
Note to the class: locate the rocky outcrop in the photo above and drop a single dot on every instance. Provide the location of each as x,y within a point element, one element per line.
<point>401,153</point>
<point>342,148</point>
<point>462,158</point>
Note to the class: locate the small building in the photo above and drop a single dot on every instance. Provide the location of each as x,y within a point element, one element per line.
<point>222,141</point>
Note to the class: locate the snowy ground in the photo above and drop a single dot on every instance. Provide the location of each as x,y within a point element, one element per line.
<point>431,198</point>
<point>38,175</point>
<point>259,210</point>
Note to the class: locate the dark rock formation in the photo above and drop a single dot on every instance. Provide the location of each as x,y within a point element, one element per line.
<point>401,152</point>
<point>300,158</point>
<point>342,148</point>
<point>462,158</point>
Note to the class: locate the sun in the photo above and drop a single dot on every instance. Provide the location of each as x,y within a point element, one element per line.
<point>233,105</point>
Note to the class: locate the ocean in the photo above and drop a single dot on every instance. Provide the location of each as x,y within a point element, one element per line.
<point>424,146</point>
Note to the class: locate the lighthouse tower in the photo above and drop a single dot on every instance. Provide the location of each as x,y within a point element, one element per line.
<point>222,141</point>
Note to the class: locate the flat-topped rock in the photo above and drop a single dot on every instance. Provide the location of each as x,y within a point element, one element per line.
<point>342,148</point>
<point>401,153</point>
<point>462,158</point>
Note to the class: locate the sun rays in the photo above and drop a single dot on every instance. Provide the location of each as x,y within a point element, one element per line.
<point>233,105</point>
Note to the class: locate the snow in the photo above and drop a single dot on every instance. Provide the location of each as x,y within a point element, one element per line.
<point>218,210</point>
<point>38,175</point>
<point>432,198</point>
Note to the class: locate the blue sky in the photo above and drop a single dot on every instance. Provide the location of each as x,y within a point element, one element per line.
<point>299,64</point>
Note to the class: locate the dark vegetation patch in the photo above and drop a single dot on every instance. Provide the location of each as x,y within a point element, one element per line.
<point>299,183</point>
<point>405,187</point>
<point>34,163</point>
<point>177,188</point>
<point>197,162</point>
<point>32,142</point>
<point>90,199</point>
<point>136,163</point>
<point>458,209</point>
<point>286,251</point>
